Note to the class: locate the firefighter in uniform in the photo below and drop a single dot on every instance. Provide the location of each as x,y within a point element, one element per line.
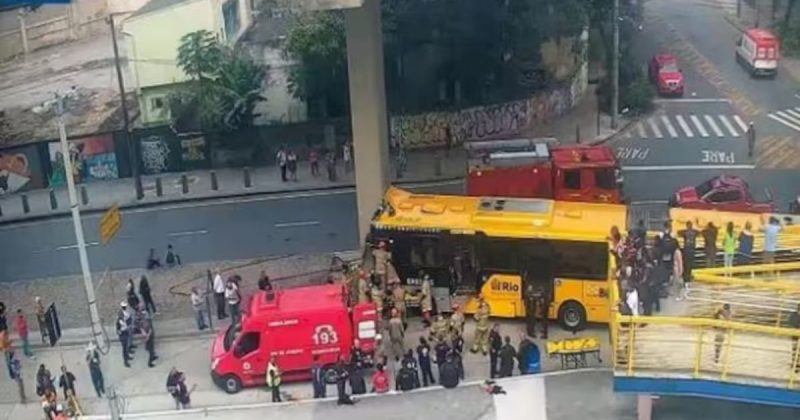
<point>363,287</point>
<point>426,301</point>
<point>382,258</point>
<point>541,308</point>
<point>457,321</point>
<point>397,334</point>
<point>481,328</point>
<point>399,300</point>
<point>530,309</point>
<point>376,293</point>
<point>440,328</point>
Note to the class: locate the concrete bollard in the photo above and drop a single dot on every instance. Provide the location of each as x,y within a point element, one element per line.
<point>437,164</point>
<point>53,201</point>
<point>159,188</point>
<point>214,181</point>
<point>247,181</point>
<point>184,184</point>
<point>26,208</point>
<point>84,195</point>
<point>1,210</point>
<point>577,134</point>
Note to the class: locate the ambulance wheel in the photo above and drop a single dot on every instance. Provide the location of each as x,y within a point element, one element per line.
<point>231,383</point>
<point>572,316</point>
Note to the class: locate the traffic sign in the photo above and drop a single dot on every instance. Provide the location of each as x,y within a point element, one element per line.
<point>110,224</point>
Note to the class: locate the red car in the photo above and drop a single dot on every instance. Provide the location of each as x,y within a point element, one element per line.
<point>666,75</point>
<point>724,193</point>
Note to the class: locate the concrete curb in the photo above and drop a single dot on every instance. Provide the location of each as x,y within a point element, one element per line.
<point>243,194</point>
<point>202,411</point>
<point>610,137</point>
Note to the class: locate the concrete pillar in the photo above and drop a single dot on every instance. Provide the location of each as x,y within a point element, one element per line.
<point>645,407</point>
<point>367,108</point>
<point>23,33</point>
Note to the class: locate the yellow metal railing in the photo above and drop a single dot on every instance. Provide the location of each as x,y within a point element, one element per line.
<point>706,349</point>
<point>757,294</point>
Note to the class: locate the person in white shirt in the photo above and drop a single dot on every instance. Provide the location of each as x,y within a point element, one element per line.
<point>632,299</point>
<point>219,295</point>
<point>199,306</point>
<point>233,298</point>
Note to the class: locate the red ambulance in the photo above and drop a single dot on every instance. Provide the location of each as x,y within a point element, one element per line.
<point>293,325</point>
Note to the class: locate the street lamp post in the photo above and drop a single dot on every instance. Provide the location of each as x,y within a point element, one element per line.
<point>77,224</point>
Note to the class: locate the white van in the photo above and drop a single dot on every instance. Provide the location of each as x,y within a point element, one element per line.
<point>758,51</point>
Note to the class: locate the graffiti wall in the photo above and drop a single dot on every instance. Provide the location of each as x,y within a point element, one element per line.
<point>156,154</point>
<point>93,158</point>
<point>20,169</point>
<point>488,122</point>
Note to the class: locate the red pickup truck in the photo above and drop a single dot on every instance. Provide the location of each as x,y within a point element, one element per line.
<point>724,193</point>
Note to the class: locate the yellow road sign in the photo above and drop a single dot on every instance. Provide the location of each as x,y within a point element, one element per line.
<point>110,224</point>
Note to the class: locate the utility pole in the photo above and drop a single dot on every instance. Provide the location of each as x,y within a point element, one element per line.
<point>615,68</point>
<point>126,120</point>
<point>97,328</point>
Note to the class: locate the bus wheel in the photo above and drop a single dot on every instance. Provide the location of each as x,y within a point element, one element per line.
<point>572,316</point>
<point>232,384</point>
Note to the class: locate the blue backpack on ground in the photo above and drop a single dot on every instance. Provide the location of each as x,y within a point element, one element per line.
<point>533,359</point>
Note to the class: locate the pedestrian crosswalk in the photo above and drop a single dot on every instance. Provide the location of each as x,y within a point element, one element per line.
<point>789,117</point>
<point>691,126</point>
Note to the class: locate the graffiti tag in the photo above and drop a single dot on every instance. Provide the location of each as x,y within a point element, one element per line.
<point>155,154</point>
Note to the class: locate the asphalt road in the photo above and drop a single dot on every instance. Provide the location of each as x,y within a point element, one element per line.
<point>200,231</point>
<point>705,128</point>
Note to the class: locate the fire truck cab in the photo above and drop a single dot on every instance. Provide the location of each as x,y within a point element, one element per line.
<point>538,168</point>
<point>294,326</point>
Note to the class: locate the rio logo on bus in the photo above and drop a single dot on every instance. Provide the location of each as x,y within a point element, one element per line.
<point>504,286</point>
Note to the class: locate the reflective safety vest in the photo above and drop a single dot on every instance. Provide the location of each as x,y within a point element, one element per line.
<point>276,381</point>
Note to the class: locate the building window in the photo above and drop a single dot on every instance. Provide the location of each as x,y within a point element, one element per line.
<point>230,14</point>
<point>157,104</point>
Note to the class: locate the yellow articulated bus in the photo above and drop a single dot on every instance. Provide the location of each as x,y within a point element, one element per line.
<point>499,248</point>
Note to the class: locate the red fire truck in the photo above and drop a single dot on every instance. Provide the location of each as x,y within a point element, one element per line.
<point>293,325</point>
<point>539,168</point>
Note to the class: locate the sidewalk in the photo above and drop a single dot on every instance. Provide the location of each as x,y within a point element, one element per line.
<point>422,167</point>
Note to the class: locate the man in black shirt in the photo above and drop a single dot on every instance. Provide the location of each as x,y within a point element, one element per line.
<point>689,236</point>
<point>495,344</point>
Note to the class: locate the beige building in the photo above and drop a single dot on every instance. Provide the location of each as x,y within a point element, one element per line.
<point>152,35</point>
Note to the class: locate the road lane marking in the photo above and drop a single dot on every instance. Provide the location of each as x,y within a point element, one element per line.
<point>672,132</point>
<point>699,126</point>
<point>693,100</point>
<point>640,130</point>
<point>784,122</point>
<point>714,126</point>
<point>65,247</point>
<point>741,123</point>
<point>793,113</point>
<point>187,233</point>
<point>684,126</point>
<point>652,122</point>
<point>788,117</point>
<point>643,168</point>
<point>727,123</point>
<point>297,224</point>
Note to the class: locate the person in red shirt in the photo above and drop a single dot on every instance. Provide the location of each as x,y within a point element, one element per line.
<point>22,330</point>
<point>380,380</point>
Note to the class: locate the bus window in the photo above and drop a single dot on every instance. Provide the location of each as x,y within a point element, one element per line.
<point>581,260</point>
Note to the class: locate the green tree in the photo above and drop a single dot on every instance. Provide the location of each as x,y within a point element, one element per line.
<point>199,54</point>
<point>317,42</point>
<point>224,88</point>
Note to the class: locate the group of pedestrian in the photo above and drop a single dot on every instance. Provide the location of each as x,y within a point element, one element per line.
<point>171,259</point>
<point>287,159</point>
<point>46,390</point>
<point>131,322</point>
<point>227,298</point>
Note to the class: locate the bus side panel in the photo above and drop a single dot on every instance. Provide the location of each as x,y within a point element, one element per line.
<point>503,293</point>
<point>595,298</point>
